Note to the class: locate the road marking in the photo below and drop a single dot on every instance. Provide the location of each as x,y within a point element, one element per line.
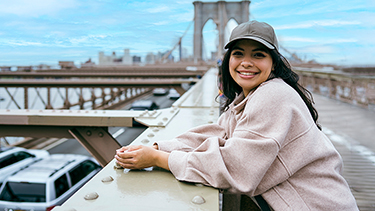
<point>118,133</point>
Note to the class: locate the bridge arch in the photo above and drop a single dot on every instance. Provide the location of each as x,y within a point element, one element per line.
<point>220,12</point>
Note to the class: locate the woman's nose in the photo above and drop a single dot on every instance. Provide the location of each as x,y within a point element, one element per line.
<point>247,62</point>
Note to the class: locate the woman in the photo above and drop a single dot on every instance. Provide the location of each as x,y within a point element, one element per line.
<point>267,143</point>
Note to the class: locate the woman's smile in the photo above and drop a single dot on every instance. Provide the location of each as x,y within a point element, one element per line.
<point>246,73</point>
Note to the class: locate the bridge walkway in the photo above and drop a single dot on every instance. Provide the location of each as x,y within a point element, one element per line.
<point>352,131</point>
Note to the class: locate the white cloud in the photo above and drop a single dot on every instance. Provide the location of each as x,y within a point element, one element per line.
<point>310,24</point>
<point>21,43</point>
<point>87,39</point>
<point>35,8</point>
<point>159,9</point>
<point>296,39</point>
<point>317,40</point>
<point>161,23</point>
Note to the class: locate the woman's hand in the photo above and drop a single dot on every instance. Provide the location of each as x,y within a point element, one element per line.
<point>139,157</point>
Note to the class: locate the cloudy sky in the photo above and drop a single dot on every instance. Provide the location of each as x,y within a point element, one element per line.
<point>36,32</point>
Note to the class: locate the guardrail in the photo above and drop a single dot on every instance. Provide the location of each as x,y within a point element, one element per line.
<point>149,189</point>
<point>347,87</point>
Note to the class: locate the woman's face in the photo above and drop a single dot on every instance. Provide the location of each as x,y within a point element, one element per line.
<point>250,64</point>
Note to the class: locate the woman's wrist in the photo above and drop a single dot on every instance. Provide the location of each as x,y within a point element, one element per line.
<point>161,159</point>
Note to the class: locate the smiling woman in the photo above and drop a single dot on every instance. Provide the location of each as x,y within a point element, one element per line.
<point>266,147</point>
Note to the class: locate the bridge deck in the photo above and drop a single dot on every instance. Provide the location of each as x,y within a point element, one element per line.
<point>352,129</point>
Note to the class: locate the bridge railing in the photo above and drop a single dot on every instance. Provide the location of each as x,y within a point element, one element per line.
<point>347,87</point>
<point>97,87</point>
<point>149,189</point>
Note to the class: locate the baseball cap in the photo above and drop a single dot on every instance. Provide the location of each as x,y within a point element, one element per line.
<point>254,30</point>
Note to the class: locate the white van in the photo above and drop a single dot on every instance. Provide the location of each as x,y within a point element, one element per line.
<point>46,183</point>
<point>14,158</point>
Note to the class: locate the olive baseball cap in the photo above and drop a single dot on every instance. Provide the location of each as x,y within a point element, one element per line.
<point>254,30</point>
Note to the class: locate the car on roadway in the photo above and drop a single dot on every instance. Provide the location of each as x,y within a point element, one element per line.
<point>141,105</point>
<point>160,91</point>
<point>47,182</point>
<point>173,94</point>
<point>14,158</point>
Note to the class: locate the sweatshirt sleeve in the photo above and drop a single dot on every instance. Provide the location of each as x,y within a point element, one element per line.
<point>192,139</point>
<point>240,163</point>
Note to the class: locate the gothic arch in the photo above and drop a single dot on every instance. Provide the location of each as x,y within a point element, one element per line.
<point>220,12</point>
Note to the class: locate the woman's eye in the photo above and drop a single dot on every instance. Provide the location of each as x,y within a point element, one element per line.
<point>259,55</point>
<point>237,53</point>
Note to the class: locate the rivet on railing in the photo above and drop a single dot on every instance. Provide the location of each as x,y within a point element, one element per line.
<point>165,119</point>
<point>63,208</point>
<point>151,135</point>
<point>117,166</point>
<point>91,196</point>
<point>88,133</point>
<point>198,200</point>
<point>100,134</point>
<point>145,141</point>
<point>107,179</point>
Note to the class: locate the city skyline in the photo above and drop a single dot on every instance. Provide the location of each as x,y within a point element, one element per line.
<point>37,32</point>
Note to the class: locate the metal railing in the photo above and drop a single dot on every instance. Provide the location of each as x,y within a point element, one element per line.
<point>150,189</point>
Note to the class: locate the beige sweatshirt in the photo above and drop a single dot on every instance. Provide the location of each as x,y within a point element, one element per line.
<point>268,144</point>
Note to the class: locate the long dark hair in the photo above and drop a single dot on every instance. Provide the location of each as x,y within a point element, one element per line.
<point>282,69</point>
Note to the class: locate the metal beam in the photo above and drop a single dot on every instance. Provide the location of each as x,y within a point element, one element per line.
<point>96,83</point>
<point>178,74</point>
<point>101,145</point>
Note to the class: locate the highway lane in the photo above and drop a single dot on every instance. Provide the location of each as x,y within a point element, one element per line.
<point>124,135</point>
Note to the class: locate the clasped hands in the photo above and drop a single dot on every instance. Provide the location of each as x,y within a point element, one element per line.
<point>140,157</point>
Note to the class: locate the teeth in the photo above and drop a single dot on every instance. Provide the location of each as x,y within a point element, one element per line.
<point>246,73</point>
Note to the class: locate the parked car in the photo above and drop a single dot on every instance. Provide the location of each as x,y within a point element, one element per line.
<point>47,182</point>
<point>173,94</point>
<point>14,158</point>
<point>160,91</point>
<point>140,105</point>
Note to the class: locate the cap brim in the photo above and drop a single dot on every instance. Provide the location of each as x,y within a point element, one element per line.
<point>267,44</point>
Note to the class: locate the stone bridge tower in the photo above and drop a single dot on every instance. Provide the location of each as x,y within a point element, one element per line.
<point>220,12</point>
